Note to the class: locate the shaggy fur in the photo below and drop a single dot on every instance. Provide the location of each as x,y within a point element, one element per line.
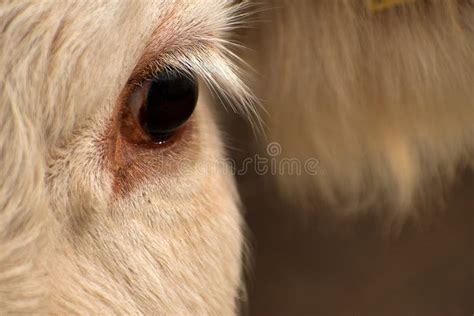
<point>72,242</point>
<point>383,99</point>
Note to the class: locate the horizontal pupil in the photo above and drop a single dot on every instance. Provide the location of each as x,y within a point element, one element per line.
<point>170,102</point>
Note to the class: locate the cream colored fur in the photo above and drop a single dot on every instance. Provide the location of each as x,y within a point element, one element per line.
<point>384,101</point>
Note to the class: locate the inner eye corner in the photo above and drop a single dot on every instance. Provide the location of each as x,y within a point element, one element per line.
<point>158,106</point>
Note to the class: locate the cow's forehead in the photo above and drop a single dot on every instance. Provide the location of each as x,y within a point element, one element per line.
<point>82,53</point>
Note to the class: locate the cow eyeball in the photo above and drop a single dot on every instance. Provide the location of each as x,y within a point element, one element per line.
<point>163,104</point>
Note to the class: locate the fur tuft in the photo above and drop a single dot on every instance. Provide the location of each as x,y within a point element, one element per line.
<point>384,101</point>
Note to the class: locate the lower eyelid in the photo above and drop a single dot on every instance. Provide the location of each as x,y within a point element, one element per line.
<point>132,164</point>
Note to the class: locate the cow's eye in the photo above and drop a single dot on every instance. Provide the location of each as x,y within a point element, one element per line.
<point>163,104</point>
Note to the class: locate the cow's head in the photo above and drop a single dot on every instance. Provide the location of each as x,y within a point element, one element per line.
<point>112,197</point>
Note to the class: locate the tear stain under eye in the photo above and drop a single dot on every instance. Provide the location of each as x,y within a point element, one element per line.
<point>133,158</point>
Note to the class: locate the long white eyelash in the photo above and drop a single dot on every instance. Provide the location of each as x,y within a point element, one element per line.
<point>224,80</point>
<point>218,67</point>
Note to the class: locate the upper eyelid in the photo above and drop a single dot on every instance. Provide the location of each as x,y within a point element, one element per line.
<point>171,43</point>
<point>148,68</point>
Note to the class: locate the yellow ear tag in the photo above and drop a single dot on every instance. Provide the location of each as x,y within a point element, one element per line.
<point>379,5</point>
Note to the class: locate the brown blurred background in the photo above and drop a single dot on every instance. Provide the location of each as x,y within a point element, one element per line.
<point>320,264</point>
